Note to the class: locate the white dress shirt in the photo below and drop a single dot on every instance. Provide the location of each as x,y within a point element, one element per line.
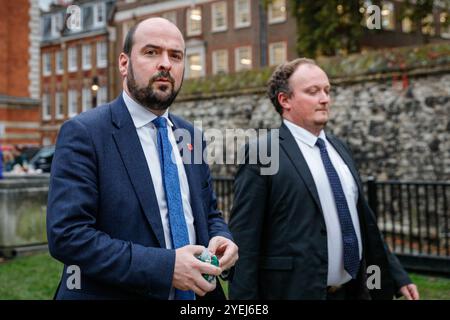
<point>146,130</point>
<point>307,144</point>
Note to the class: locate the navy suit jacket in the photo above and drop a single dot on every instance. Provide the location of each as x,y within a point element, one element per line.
<point>103,214</point>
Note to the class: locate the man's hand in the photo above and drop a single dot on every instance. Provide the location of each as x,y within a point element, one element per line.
<point>410,292</point>
<point>188,271</point>
<point>225,250</point>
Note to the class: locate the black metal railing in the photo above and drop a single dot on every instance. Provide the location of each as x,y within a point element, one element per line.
<point>413,216</point>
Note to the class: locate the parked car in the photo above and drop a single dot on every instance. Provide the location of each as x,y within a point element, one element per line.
<point>43,159</point>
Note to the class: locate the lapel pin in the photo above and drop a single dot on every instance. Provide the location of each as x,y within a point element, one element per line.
<point>190,147</point>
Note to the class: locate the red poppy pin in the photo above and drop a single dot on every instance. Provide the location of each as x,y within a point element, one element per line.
<point>190,147</point>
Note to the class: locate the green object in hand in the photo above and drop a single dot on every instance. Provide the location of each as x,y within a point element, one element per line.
<point>207,257</point>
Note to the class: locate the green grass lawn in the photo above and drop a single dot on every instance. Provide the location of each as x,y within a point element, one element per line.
<point>36,277</point>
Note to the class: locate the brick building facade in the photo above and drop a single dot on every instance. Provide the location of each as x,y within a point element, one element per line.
<point>75,62</point>
<point>19,72</point>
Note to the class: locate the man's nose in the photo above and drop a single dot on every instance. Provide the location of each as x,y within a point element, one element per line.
<point>324,98</point>
<point>164,63</point>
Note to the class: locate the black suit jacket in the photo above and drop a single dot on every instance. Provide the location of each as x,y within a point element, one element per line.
<point>278,224</point>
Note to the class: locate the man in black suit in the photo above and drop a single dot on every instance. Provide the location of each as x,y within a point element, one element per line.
<point>306,232</point>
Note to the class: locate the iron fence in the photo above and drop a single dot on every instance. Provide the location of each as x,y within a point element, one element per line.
<point>413,217</point>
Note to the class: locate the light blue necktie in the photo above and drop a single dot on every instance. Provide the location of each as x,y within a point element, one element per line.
<point>351,249</point>
<point>171,182</point>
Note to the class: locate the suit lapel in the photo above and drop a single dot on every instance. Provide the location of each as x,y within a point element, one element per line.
<point>193,179</point>
<point>133,157</point>
<point>289,145</point>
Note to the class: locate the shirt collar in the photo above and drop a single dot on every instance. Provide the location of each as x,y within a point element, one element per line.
<point>304,135</point>
<point>140,115</point>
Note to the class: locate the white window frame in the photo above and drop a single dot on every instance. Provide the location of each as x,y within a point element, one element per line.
<point>214,10</point>
<point>86,99</point>
<point>102,95</point>
<point>96,23</point>
<point>215,68</point>
<point>86,57</point>
<point>46,107</point>
<point>199,50</point>
<point>56,25</point>
<point>72,54</point>
<point>72,103</point>
<point>237,58</point>
<point>46,64</point>
<point>102,57</point>
<point>171,16</point>
<point>59,113</point>
<point>445,31</point>
<point>237,23</point>
<point>271,19</point>
<point>272,56</point>
<point>189,31</point>
<point>391,16</point>
<point>59,58</point>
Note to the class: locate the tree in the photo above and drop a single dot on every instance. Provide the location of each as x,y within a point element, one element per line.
<point>327,27</point>
<point>330,27</point>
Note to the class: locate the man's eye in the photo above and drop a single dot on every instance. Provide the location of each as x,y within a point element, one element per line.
<point>151,52</point>
<point>177,56</point>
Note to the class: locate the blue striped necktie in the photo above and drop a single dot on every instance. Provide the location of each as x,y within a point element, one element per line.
<point>171,182</point>
<point>350,241</point>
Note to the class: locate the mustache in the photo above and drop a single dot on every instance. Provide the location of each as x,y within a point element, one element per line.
<point>163,74</point>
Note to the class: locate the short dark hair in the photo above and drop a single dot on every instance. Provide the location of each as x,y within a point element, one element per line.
<point>129,40</point>
<point>279,81</point>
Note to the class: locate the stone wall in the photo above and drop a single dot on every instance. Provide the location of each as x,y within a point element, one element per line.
<point>396,124</point>
<point>23,200</point>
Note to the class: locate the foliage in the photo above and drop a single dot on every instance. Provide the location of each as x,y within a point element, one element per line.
<point>331,27</point>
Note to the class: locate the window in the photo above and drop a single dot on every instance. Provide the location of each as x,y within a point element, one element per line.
<point>99,14</point>
<point>59,107</point>
<point>59,62</point>
<point>277,11</point>
<point>388,16</point>
<point>407,25</point>
<point>46,26</point>
<point>47,64</point>
<point>220,61</point>
<point>445,24</point>
<point>241,13</point>
<point>194,21</point>
<point>126,26</point>
<point>73,103</point>
<point>101,54</point>
<point>428,25</point>
<point>243,58</point>
<point>219,16</point>
<point>102,96</point>
<point>194,64</point>
<point>86,57</point>
<point>73,63</point>
<point>171,16</point>
<point>57,21</point>
<point>277,53</point>
<point>46,112</point>
<point>86,99</point>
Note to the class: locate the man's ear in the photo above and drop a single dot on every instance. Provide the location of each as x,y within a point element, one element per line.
<point>283,100</point>
<point>123,64</point>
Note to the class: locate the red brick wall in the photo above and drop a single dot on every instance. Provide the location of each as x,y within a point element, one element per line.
<point>14,56</point>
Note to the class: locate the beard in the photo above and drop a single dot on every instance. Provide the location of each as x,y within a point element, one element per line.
<point>159,98</point>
